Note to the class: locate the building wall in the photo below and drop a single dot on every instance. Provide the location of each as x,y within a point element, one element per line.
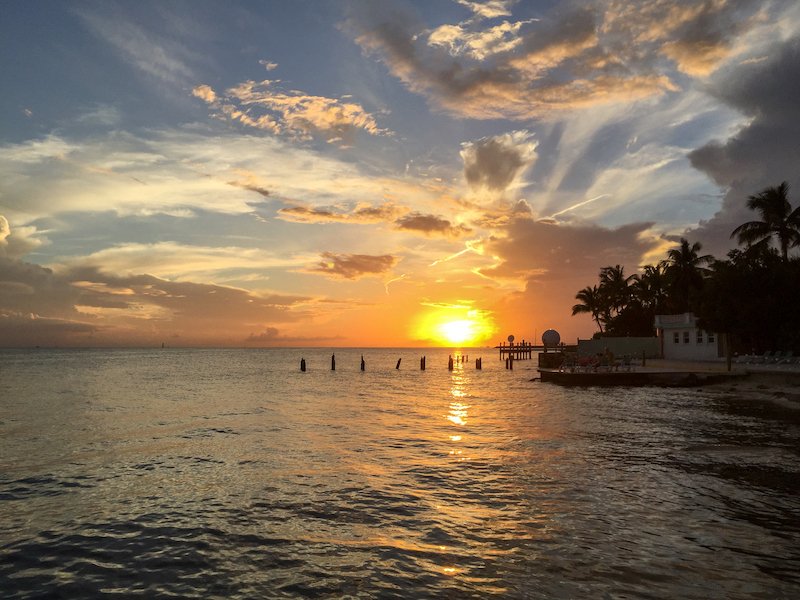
<point>690,343</point>
<point>681,339</point>
<point>620,346</point>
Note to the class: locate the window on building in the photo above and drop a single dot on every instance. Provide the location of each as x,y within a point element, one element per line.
<point>676,338</point>
<point>699,336</point>
<point>710,338</point>
<point>685,337</point>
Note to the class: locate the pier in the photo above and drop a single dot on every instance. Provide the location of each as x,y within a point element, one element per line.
<point>521,351</point>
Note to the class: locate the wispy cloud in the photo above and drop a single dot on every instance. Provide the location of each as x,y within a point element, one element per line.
<point>179,261</point>
<point>578,205</point>
<point>489,9</point>
<point>165,59</point>
<point>177,171</point>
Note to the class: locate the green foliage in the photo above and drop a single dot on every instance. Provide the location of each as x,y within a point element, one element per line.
<point>751,296</point>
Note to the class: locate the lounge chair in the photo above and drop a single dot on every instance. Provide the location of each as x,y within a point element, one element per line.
<point>764,358</point>
<point>627,363</point>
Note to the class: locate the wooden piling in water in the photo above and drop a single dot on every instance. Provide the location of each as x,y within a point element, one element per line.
<point>333,362</point>
<point>303,365</point>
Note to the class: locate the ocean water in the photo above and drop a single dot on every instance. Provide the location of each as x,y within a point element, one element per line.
<point>231,474</point>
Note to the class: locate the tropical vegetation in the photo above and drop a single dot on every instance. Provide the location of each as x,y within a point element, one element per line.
<point>751,296</point>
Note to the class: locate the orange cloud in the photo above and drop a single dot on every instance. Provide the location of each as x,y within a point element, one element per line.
<point>591,56</point>
<point>353,266</point>
<point>261,105</point>
<point>361,214</point>
<point>432,225</point>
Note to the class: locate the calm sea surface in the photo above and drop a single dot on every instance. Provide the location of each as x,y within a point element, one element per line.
<point>231,474</point>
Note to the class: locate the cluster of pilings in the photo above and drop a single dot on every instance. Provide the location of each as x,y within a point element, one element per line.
<point>459,359</point>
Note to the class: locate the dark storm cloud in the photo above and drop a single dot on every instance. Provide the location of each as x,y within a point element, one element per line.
<point>764,152</point>
<point>495,162</point>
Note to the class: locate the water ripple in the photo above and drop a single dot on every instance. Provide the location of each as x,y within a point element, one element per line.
<point>218,474</point>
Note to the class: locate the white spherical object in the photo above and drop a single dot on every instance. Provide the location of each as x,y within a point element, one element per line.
<point>551,338</point>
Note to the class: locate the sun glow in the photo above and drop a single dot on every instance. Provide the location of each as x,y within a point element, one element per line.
<point>469,328</point>
<point>457,332</point>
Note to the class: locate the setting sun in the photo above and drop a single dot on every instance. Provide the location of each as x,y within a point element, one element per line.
<point>455,326</point>
<point>458,332</point>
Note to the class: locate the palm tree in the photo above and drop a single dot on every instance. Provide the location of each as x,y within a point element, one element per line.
<point>592,303</point>
<point>778,219</point>
<point>685,273</point>
<point>650,288</point>
<point>615,287</point>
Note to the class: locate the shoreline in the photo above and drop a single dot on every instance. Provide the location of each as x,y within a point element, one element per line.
<point>770,382</point>
<point>776,383</point>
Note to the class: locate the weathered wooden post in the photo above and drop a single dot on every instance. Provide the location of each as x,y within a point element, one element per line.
<point>363,364</point>
<point>422,364</point>
<point>511,363</point>
<point>398,363</point>
<point>478,365</point>
<point>333,362</point>
<point>450,363</point>
<point>303,365</point>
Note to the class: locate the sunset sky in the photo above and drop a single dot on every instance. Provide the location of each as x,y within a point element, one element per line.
<point>337,173</point>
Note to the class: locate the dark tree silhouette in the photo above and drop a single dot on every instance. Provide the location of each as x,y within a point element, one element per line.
<point>651,287</point>
<point>778,220</point>
<point>590,302</point>
<point>685,273</point>
<point>615,287</point>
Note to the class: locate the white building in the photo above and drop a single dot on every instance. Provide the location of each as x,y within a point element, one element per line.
<point>682,339</point>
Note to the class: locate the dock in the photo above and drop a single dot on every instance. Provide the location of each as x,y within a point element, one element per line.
<point>521,351</point>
